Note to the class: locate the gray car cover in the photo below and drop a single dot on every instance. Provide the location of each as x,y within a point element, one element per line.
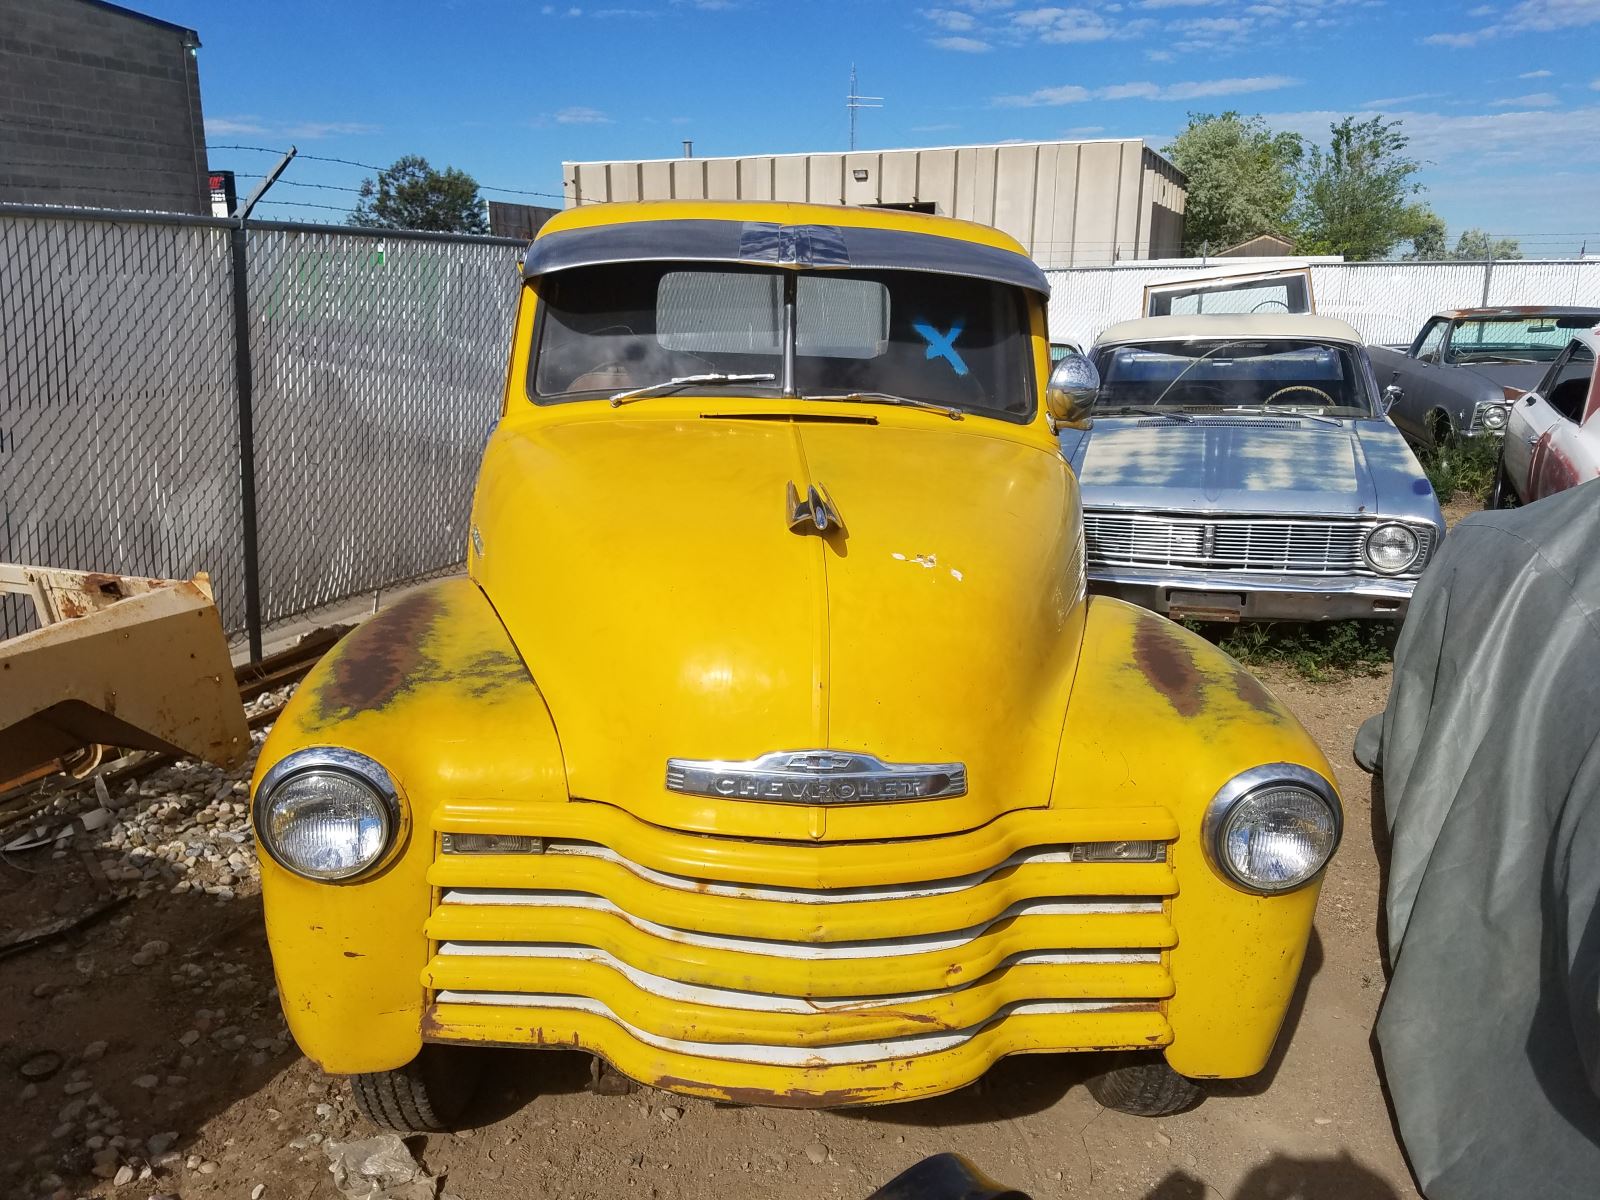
<point>1490,1032</point>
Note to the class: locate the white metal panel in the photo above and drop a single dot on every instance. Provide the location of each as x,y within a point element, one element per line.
<point>936,180</point>
<point>623,181</point>
<point>898,184</point>
<point>655,180</point>
<point>689,179</point>
<point>868,190</point>
<point>594,187</point>
<point>1016,186</point>
<point>825,178</point>
<point>791,177</point>
<point>722,178</point>
<point>755,179</point>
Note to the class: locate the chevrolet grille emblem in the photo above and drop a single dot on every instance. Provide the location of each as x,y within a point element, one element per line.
<point>816,777</point>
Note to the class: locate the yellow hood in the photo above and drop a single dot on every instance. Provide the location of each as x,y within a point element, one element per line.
<point>645,568</point>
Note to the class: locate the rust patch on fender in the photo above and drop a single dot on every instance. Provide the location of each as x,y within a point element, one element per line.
<point>379,660</point>
<point>1254,693</point>
<point>1170,667</point>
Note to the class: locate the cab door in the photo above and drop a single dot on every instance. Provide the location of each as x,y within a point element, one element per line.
<point>1558,458</point>
<point>1536,415</point>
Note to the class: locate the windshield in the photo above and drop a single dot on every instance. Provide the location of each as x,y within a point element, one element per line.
<point>940,339</point>
<point>1525,338</point>
<point>1293,374</point>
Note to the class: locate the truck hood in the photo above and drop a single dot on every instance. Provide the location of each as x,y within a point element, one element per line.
<point>646,570</point>
<point>1222,464</point>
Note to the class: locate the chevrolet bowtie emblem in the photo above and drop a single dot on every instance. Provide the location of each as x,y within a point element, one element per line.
<point>816,777</point>
<point>814,514</point>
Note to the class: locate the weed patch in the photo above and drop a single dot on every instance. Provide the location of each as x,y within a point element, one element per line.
<point>1319,653</point>
<point>1463,465</point>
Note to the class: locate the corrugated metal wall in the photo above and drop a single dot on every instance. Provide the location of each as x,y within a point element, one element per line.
<point>1069,203</point>
<point>1386,302</point>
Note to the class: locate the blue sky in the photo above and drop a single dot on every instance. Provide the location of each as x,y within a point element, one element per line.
<point>1502,101</point>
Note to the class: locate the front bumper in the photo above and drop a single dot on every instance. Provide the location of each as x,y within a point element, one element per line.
<point>1242,596</point>
<point>798,975</point>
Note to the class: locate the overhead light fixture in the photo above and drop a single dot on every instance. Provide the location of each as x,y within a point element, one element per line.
<point>860,174</point>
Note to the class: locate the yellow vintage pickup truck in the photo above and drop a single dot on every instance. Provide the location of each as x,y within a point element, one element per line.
<point>770,749</point>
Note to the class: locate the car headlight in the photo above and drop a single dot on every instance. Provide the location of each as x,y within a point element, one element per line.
<point>1272,828</point>
<point>1493,417</point>
<point>1392,548</point>
<point>327,813</point>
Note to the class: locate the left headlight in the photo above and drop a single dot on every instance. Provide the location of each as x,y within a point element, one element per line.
<point>1493,417</point>
<point>326,813</point>
<point>1271,829</point>
<point>1392,548</point>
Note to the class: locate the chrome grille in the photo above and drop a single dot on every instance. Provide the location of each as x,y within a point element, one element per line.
<point>1266,544</point>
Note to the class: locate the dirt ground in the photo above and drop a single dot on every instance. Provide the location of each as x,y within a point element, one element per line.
<point>166,1028</point>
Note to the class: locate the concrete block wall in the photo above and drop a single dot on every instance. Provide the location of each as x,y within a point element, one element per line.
<point>99,107</point>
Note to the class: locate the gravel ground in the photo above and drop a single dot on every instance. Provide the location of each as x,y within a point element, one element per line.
<point>146,1056</point>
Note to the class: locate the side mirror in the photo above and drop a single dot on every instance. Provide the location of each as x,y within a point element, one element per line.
<point>1390,394</point>
<point>1069,396</point>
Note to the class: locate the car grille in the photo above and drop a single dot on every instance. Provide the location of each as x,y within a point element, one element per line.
<point>1270,545</point>
<point>733,962</point>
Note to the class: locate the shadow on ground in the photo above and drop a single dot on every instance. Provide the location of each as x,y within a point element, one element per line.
<point>1283,1177</point>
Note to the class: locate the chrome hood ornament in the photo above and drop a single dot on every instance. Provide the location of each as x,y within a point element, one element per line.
<point>816,513</point>
<point>816,777</point>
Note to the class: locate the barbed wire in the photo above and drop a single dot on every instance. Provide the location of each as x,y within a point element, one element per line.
<point>350,162</point>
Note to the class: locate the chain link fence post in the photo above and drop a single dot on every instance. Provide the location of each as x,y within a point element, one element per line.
<point>244,387</point>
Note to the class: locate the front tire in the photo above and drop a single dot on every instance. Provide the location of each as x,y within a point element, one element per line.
<point>1144,1087</point>
<point>1501,492</point>
<point>426,1095</point>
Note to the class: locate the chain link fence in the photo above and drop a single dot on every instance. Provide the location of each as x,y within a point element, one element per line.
<point>377,363</point>
<point>119,441</point>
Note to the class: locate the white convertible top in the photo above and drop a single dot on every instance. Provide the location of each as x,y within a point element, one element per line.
<point>1209,325</point>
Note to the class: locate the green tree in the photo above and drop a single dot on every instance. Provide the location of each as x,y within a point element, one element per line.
<point>1241,179</point>
<point>412,195</point>
<point>1476,244</point>
<point>1355,196</point>
<point>1427,238</point>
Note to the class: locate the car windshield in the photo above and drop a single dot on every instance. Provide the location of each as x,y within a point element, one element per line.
<point>1528,338</point>
<point>1291,374</point>
<point>936,339</point>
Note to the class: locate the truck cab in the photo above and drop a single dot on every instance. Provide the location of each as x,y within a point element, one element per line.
<point>770,748</point>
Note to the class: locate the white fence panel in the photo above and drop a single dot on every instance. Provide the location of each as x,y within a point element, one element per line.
<point>1387,302</point>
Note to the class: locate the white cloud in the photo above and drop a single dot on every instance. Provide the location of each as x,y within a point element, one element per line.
<point>1532,100</point>
<point>952,19</point>
<point>941,127</point>
<point>1145,90</point>
<point>287,130</point>
<point>1526,16</point>
<point>579,115</point>
<point>1085,130</point>
<point>1536,75</point>
<point>235,125</point>
<point>1397,101</point>
<point>964,45</point>
<point>1595,84</point>
<point>1459,143</point>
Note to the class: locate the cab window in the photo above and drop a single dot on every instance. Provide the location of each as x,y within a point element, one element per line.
<point>1432,339</point>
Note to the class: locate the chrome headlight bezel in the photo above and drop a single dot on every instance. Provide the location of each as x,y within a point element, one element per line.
<point>1411,562</point>
<point>1493,415</point>
<point>1248,783</point>
<point>333,760</point>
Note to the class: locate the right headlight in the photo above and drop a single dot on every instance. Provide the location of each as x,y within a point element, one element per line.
<point>1392,548</point>
<point>1272,828</point>
<point>327,813</point>
<point>1493,416</point>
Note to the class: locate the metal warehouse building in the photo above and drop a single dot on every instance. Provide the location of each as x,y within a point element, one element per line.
<point>1072,204</point>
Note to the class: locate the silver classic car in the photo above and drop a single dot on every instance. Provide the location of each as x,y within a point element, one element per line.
<point>1241,467</point>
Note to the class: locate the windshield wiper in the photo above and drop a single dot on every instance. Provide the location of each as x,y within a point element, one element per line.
<point>1150,410</point>
<point>955,414</point>
<point>717,377</point>
<point>1265,411</point>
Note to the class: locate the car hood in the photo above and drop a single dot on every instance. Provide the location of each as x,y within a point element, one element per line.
<point>646,570</point>
<point>1517,376</point>
<point>1223,464</point>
